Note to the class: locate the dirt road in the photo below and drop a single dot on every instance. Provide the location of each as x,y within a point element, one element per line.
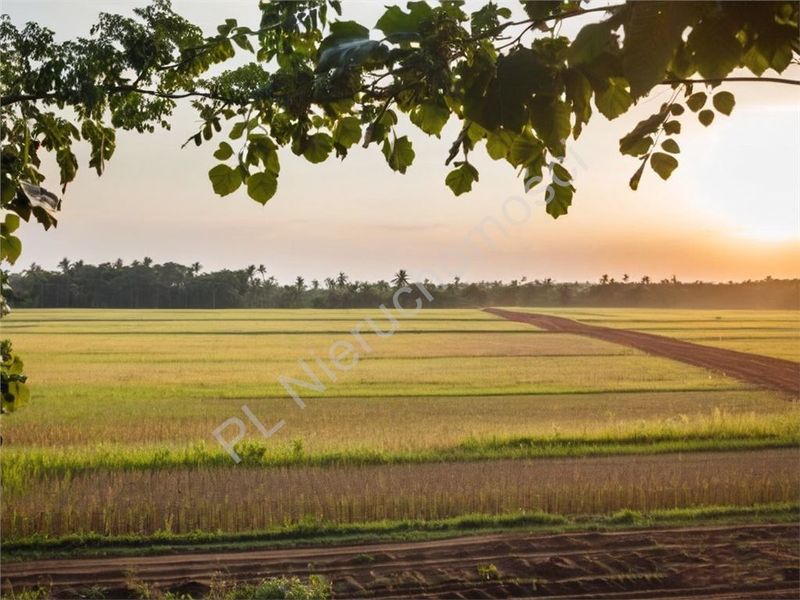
<point>748,561</point>
<point>764,371</point>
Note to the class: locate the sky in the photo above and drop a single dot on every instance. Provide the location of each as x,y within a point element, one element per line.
<point>730,211</point>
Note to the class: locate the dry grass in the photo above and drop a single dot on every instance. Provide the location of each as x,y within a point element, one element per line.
<point>240,499</point>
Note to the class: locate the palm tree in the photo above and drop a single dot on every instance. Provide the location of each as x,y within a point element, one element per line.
<point>330,282</point>
<point>341,279</point>
<point>118,264</point>
<point>64,265</point>
<point>625,278</point>
<point>604,279</point>
<point>250,270</point>
<point>195,268</point>
<point>263,271</point>
<point>300,283</point>
<point>315,284</point>
<point>400,278</point>
<point>646,280</point>
<point>147,261</point>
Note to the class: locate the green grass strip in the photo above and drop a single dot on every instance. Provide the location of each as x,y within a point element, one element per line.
<point>19,467</point>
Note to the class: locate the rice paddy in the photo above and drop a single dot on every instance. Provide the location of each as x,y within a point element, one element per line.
<point>455,412</point>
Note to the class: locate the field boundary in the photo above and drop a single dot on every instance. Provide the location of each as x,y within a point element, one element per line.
<point>764,371</point>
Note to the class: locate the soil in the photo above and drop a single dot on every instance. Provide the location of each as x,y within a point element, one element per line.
<point>726,562</point>
<point>763,371</point>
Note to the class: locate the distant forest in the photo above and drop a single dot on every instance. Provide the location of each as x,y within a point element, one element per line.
<point>143,284</point>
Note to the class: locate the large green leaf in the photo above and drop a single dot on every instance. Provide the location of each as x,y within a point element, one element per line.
<point>397,25</point>
<point>430,117</point>
<point>519,75</point>
<point>399,154</point>
<point>525,150</point>
<point>550,119</point>
<point>592,40</point>
<point>558,195</point>
<point>461,178</point>
<point>615,99</point>
<point>652,33</point>
<point>347,132</point>
<point>498,144</point>
<point>10,248</point>
<point>224,179</point>
<point>714,46</point>
<point>262,186</point>
<point>317,147</point>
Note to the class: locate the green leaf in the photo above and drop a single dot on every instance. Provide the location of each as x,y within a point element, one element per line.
<point>637,176</point>
<point>755,60</point>
<point>559,193</point>
<point>615,99</point>
<point>317,147</point>
<point>706,117</point>
<point>550,119</point>
<point>672,127</point>
<point>696,101</point>
<point>461,178</point>
<point>652,34</point>
<point>633,140</point>
<point>397,25</point>
<point>262,148</point>
<point>525,150</point>
<point>430,117</point>
<point>518,76</point>
<point>224,179</point>
<point>592,40</point>
<point>663,164</point>
<point>262,186</point>
<point>224,152</point>
<point>10,249</point>
<point>635,147</point>
<point>498,144</point>
<point>237,130</point>
<point>11,223</point>
<point>671,146</point>
<point>400,154</point>
<point>347,132</point>
<point>714,46</point>
<point>579,94</point>
<point>724,102</point>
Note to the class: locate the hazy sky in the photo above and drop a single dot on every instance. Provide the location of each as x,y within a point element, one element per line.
<point>730,211</point>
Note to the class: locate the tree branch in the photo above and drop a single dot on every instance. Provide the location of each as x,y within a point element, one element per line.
<point>124,89</point>
<point>734,79</point>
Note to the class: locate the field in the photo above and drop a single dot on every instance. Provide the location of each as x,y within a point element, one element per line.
<point>771,333</point>
<point>445,415</point>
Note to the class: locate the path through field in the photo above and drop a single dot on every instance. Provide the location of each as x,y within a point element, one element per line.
<point>764,371</point>
<point>733,562</point>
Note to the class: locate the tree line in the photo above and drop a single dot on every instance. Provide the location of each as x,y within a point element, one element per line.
<point>144,284</point>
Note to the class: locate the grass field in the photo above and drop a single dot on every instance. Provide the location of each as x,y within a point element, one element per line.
<point>118,438</point>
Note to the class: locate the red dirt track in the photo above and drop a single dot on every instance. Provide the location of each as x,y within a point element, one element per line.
<point>723,563</point>
<point>763,371</point>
